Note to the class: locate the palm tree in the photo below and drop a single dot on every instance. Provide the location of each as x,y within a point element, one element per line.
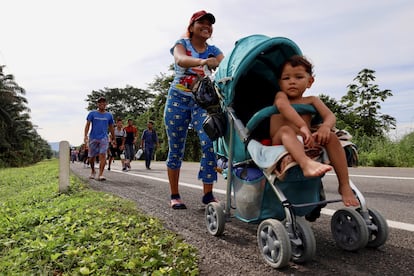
<point>19,142</point>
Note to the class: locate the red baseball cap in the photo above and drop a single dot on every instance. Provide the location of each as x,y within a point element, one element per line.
<point>200,14</point>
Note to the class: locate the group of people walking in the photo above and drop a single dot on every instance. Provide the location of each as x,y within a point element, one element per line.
<point>120,142</point>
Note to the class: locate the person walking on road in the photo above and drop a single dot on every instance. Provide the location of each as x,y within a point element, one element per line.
<point>118,148</point>
<point>149,140</point>
<point>191,54</point>
<point>84,154</point>
<point>130,140</point>
<point>101,120</point>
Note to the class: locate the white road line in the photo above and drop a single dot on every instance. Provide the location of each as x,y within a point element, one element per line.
<point>325,211</point>
<point>377,176</point>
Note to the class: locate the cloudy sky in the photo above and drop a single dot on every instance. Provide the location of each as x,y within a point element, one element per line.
<point>59,51</point>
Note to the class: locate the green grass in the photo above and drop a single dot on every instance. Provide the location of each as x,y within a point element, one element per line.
<point>82,232</point>
<point>382,152</point>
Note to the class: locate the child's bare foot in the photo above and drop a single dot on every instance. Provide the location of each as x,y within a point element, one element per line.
<point>348,197</point>
<point>312,168</point>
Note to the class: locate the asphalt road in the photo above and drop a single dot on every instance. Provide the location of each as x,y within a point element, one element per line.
<point>388,190</point>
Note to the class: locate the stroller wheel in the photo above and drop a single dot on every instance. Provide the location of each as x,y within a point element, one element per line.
<point>377,229</point>
<point>274,243</point>
<point>349,229</point>
<point>303,248</point>
<point>215,218</point>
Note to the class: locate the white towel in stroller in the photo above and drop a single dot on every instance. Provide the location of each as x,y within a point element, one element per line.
<point>270,158</point>
<point>276,159</point>
<point>265,156</point>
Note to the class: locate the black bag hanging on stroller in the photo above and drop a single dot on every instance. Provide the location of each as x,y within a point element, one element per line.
<point>206,96</point>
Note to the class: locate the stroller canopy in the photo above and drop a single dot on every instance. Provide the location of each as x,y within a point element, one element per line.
<point>257,57</point>
<point>247,82</point>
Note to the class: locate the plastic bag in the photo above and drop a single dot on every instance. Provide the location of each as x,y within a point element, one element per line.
<point>139,154</point>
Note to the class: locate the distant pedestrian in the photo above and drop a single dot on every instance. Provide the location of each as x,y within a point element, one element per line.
<point>84,154</point>
<point>101,120</point>
<point>73,155</point>
<point>118,147</point>
<point>130,140</point>
<point>149,141</point>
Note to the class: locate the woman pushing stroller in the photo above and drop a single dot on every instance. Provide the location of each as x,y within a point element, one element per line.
<point>191,54</point>
<point>295,77</point>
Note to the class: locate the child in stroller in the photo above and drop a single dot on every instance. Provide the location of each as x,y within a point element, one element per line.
<point>294,78</point>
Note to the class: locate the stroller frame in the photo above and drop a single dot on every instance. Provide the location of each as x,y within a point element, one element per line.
<point>288,235</point>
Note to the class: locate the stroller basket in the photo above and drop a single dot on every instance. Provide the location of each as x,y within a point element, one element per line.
<point>256,201</point>
<point>248,187</point>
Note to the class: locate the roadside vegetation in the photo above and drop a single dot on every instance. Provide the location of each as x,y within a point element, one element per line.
<point>383,152</point>
<point>83,232</point>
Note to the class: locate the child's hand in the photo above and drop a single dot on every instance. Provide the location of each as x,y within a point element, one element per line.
<point>322,135</point>
<point>307,136</point>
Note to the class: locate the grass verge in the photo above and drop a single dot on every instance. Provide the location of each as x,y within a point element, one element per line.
<point>83,232</point>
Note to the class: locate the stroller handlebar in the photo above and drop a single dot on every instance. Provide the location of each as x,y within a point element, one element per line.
<point>238,124</point>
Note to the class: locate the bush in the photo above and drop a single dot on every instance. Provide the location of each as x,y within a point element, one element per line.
<point>406,150</point>
<point>382,152</point>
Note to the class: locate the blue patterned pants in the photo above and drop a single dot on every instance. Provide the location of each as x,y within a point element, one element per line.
<point>180,111</point>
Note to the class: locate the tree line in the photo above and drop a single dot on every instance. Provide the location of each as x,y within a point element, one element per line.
<point>358,112</point>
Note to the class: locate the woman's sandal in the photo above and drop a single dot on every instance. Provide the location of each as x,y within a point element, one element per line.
<point>177,204</point>
<point>209,197</point>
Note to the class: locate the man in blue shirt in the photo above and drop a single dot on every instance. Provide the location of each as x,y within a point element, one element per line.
<point>149,140</point>
<point>101,121</point>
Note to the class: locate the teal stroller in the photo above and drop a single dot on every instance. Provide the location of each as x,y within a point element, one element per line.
<point>246,85</point>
